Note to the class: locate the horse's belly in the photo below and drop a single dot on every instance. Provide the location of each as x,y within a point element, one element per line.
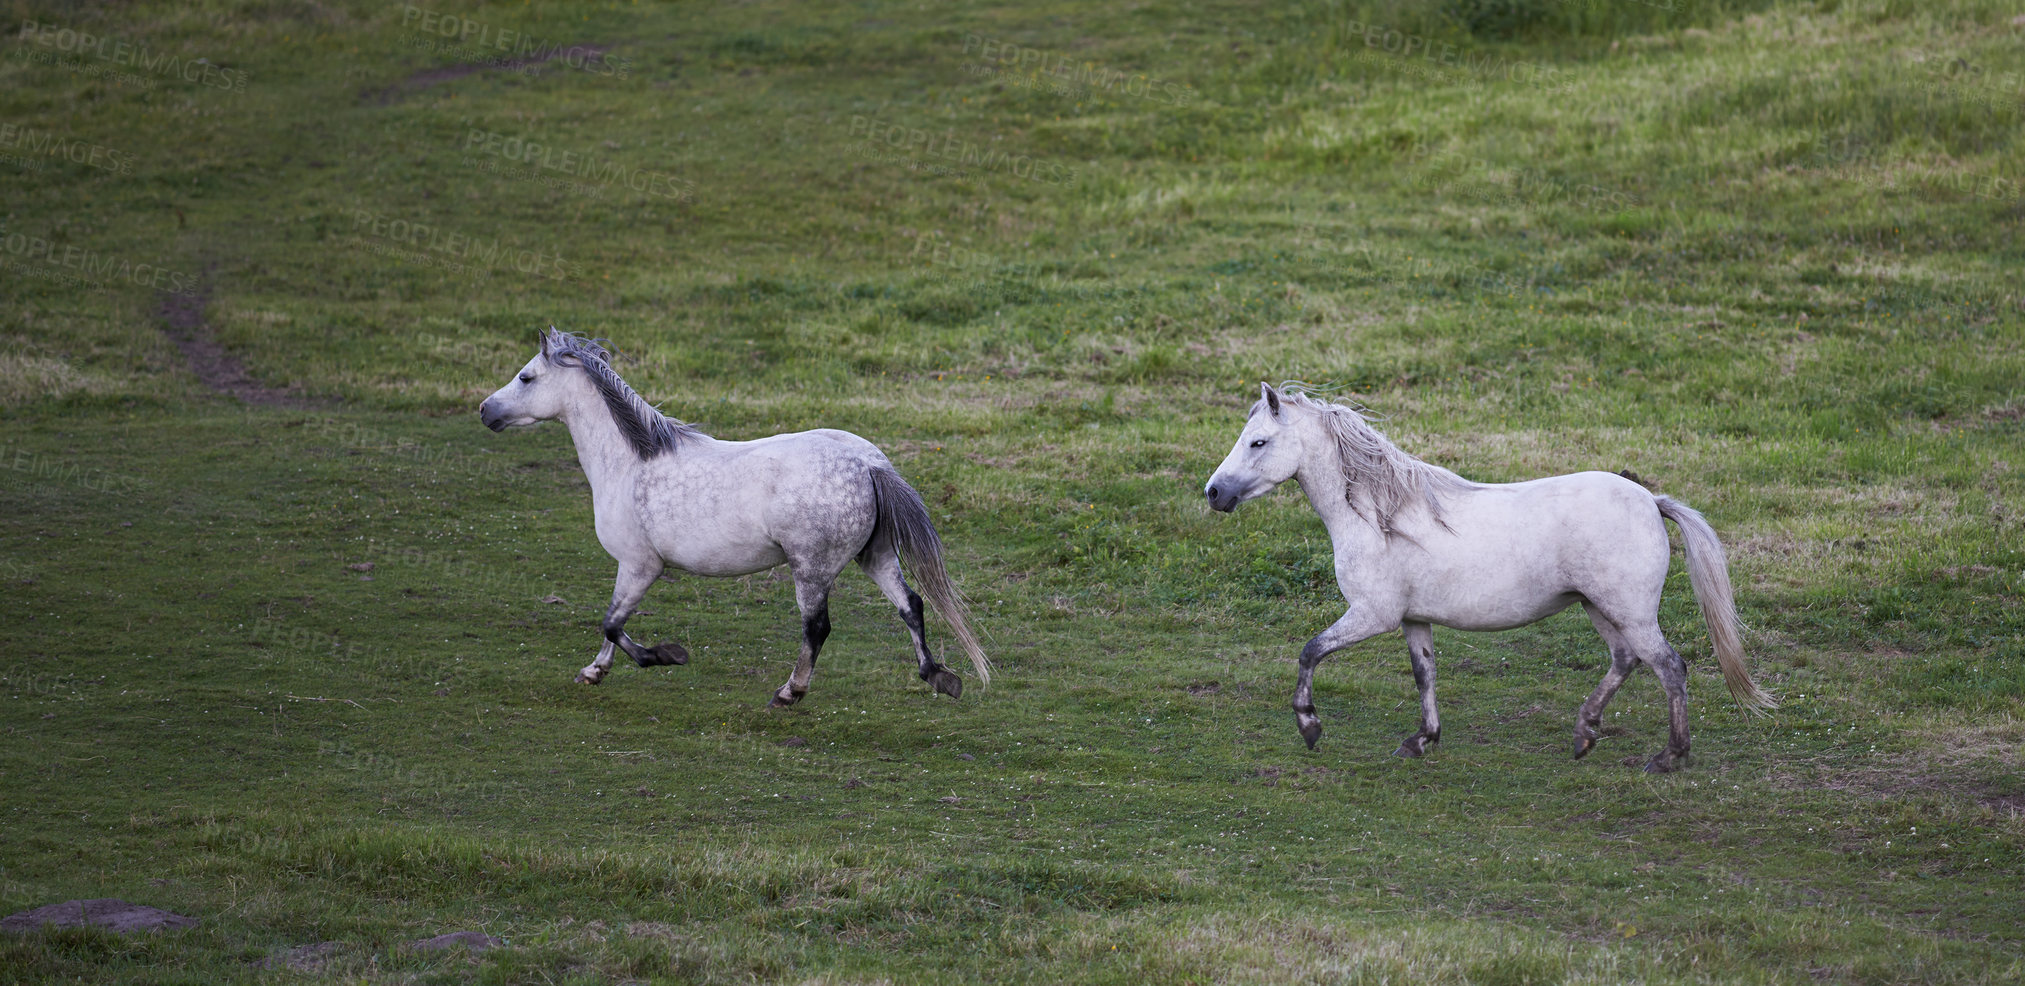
<point>1463,611</point>
<point>1486,592</point>
<point>722,556</point>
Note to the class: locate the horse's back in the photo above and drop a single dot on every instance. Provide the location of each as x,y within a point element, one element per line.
<point>728,507</point>
<point>1516,552</point>
<point>826,444</point>
<point>1576,518</point>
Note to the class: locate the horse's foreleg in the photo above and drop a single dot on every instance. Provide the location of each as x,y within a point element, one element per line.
<point>1349,629</point>
<point>1420,645</point>
<point>595,671</point>
<point>814,602</point>
<point>631,587</point>
<point>884,571</point>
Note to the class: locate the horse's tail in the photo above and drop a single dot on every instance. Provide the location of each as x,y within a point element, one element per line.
<point>903,520</point>
<point>1709,573</point>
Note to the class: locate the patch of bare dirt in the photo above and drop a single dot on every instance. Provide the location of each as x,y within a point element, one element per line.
<point>1959,762</point>
<point>110,913</point>
<point>182,318</point>
<point>586,53</point>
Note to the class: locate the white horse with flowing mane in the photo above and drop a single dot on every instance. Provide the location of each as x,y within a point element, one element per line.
<point>666,495</point>
<point>1417,545</point>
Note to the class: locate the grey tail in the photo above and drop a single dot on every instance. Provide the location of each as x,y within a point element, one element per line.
<point>903,521</point>
<point>1709,574</point>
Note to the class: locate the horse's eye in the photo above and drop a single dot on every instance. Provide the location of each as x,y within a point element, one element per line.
<point>1261,443</point>
<point>527,378</point>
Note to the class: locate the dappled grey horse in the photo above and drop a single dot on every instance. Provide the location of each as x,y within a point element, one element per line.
<point>666,495</point>
<point>1418,545</point>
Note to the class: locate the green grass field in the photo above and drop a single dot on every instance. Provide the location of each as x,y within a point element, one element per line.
<point>260,261</point>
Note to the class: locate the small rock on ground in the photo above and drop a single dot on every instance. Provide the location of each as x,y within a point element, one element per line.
<point>109,913</point>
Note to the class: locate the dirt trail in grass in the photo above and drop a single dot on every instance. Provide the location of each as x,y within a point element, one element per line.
<point>583,53</point>
<point>182,317</point>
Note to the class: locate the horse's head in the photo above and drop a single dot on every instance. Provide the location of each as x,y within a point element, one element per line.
<point>1268,452</point>
<point>540,391</point>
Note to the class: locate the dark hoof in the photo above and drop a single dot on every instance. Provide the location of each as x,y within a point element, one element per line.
<point>1583,744</point>
<point>1662,764</point>
<point>667,653</point>
<point>784,698</point>
<point>1412,746</point>
<point>1311,732</point>
<point>946,682</point>
<point>584,679</point>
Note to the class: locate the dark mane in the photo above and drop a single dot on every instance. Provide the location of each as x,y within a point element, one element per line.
<point>647,430</point>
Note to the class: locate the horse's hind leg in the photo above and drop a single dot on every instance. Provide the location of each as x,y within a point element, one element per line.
<point>1672,671</point>
<point>1632,641</point>
<point>884,570</point>
<point>813,599</point>
<point>1420,644</point>
<point>631,587</point>
<point>1589,719</point>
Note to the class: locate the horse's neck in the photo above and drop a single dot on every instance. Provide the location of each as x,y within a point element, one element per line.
<point>1321,478</point>
<point>1347,524</point>
<point>604,453</point>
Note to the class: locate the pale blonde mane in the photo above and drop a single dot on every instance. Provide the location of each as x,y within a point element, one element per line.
<point>1391,482</point>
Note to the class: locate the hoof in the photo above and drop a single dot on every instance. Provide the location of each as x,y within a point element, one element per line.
<point>783,698</point>
<point>584,678</point>
<point>946,682</point>
<point>1311,731</point>
<point>1412,747</point>
<point>1662,764</point>
<point>665,653</point>
<point>1583,744</point>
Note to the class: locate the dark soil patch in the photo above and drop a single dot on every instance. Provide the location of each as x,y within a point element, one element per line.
<point>182,317</point>
<point>2012,805</point>
<point>578,54</point>
<point>109,913</point>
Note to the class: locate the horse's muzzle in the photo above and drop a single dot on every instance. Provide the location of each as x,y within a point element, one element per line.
<point>1220,500</point>
<point>496,422</point>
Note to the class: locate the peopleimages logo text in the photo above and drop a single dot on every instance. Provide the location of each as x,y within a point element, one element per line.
<point>1089,75</point>
<point>578,165</point>
<point>951,147</point>
<point>200,71</point>
<point>482,37</point>
<point>460,248</point>
<point>95,264</point>
<point>42,143</point>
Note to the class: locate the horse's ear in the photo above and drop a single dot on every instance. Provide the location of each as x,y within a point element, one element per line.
<point>1271,397</point>
<point>543,338</point>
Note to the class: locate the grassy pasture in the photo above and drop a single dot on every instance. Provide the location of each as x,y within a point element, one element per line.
<point>1765,255</point>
